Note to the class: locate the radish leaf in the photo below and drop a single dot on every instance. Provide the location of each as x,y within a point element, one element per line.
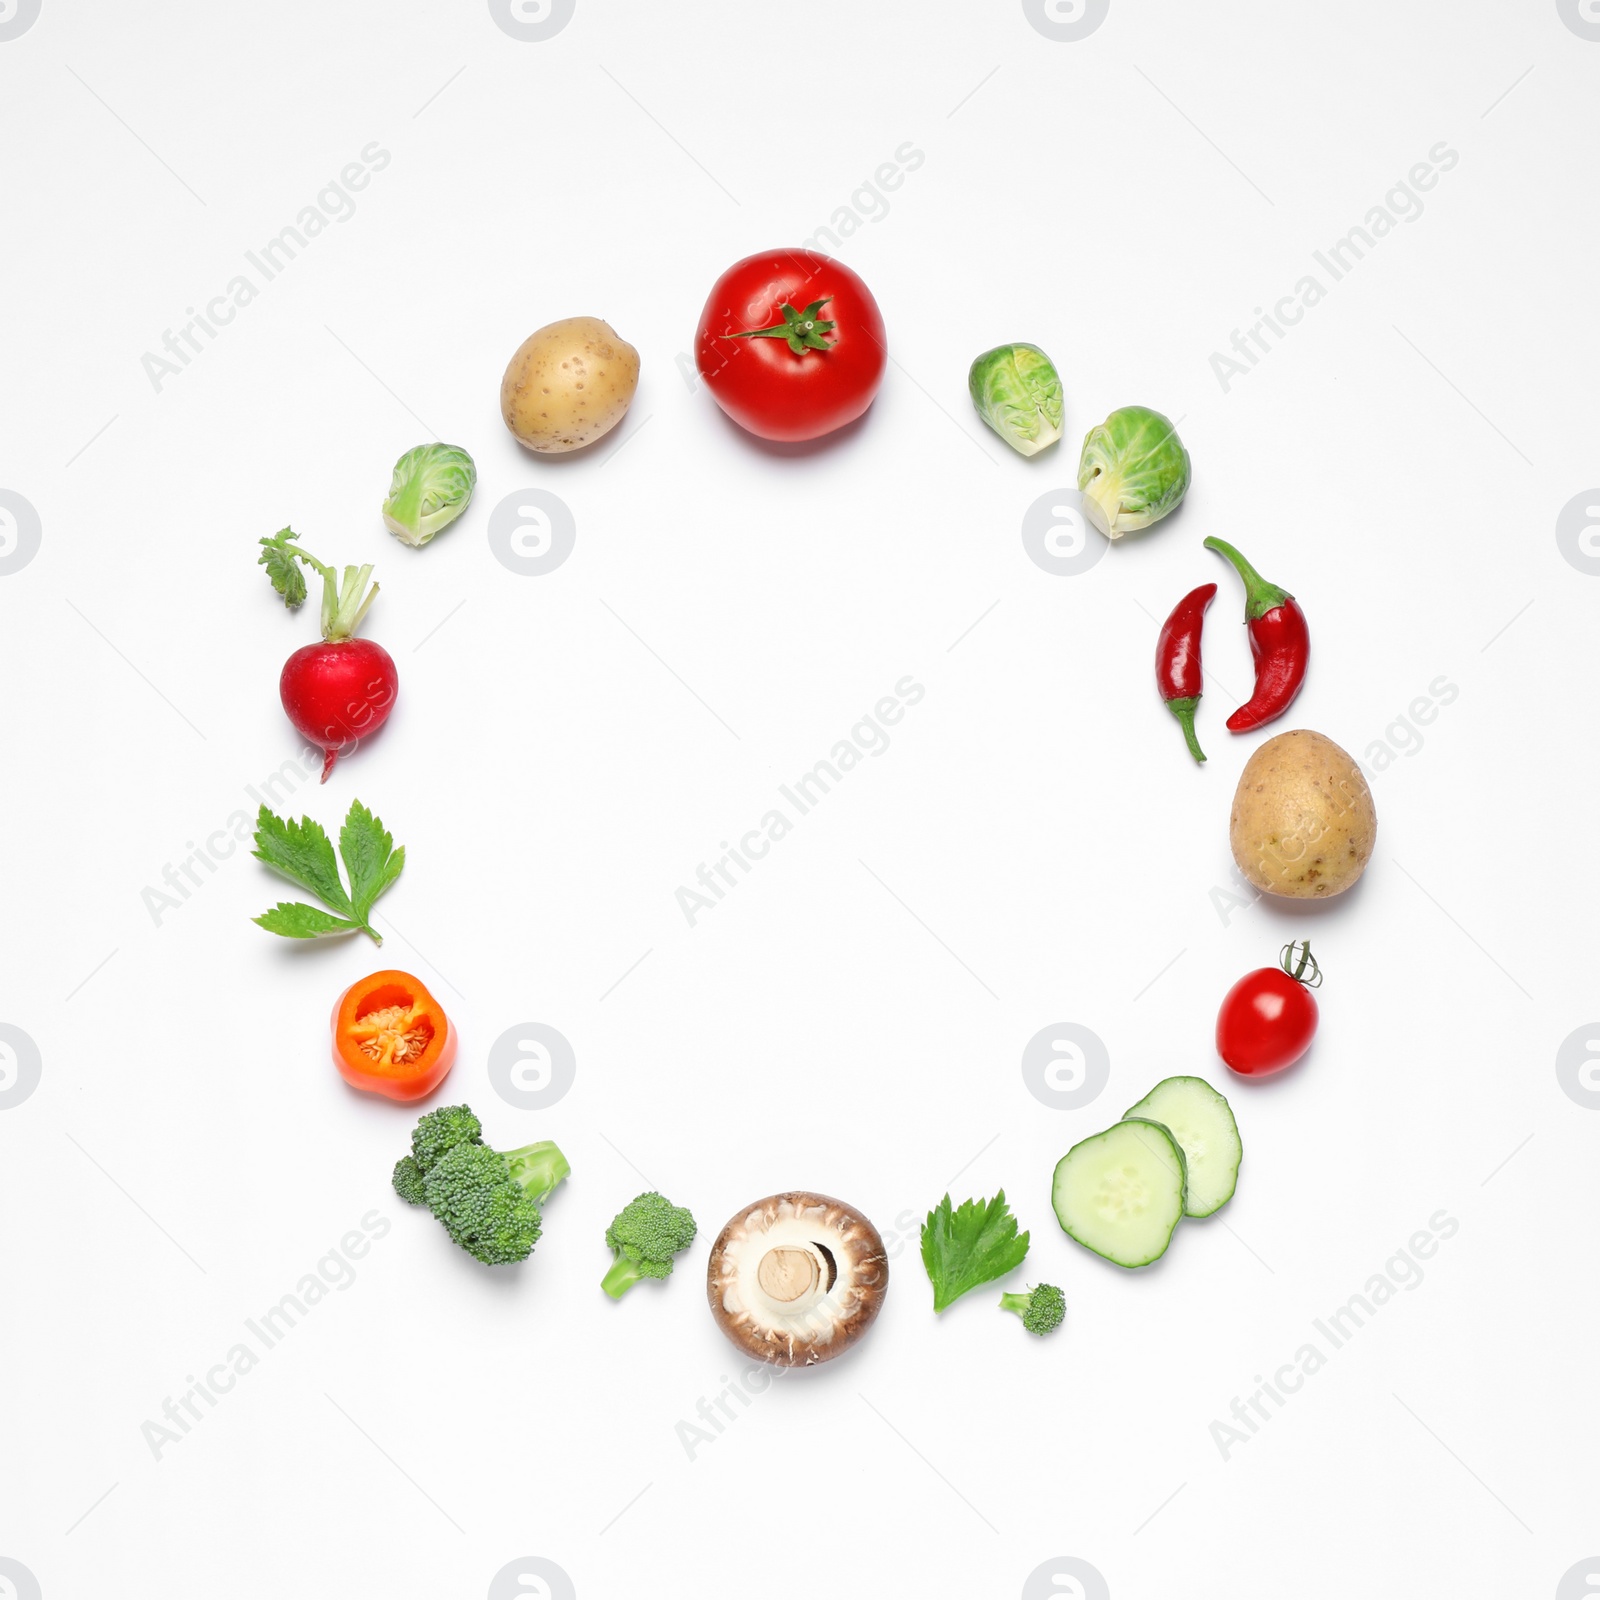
<point>279,558</point>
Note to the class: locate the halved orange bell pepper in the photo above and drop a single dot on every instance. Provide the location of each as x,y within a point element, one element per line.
<point>391,1037</point>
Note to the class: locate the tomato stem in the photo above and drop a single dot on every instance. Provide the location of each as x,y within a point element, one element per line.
<point>802,329</point>
<point>1296,965</point>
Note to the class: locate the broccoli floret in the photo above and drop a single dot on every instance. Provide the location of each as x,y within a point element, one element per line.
<point>408,1181</point>
<point>645,1235</point>
<point>441,1130</point>
<point>470,1191</point>
<point>488,1200</point>
<point>1041,1309</point>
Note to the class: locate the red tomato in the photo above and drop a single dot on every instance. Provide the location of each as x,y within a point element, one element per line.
<point>1269,1017</point>
<point>791,344</point>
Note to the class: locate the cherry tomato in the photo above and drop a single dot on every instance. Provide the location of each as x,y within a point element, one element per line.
<point>791,344</point>
<point>1269,1017</point>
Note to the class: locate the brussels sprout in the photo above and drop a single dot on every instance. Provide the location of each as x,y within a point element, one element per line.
<point>1133,471</point>
<point>431,487</point>
<point>1017,392</point>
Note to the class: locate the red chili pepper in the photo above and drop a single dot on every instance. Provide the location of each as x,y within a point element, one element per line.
<point>1178,661</point>
<point>1280,641</point>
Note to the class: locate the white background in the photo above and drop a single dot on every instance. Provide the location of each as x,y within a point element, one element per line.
<point>1035,846</point>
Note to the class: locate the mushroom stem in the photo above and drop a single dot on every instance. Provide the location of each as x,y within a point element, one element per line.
<point>788,1274</point>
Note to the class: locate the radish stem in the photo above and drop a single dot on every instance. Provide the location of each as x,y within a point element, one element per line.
<point>344,602</point>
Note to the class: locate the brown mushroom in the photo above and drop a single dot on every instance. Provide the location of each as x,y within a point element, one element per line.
<point>797,1278</point>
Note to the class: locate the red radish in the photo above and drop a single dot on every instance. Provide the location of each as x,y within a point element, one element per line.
<point>342,690</point>
<point>336,693</point>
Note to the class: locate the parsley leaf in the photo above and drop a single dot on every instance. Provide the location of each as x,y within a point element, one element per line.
<point>302,852</point>
<point>973,1244</point>
<point>279,557</point>
<point>294,920</point>
<point>369,857</point>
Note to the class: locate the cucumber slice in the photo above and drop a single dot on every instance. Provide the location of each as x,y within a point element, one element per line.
<point>1120,1193</point>
<point>1202,1122</point>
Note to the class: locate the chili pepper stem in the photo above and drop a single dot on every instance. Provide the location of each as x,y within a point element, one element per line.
<point>1184,710</point>
<point>1260,597</point>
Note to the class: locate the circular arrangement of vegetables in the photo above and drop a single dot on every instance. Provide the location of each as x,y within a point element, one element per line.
<point>791,345</point>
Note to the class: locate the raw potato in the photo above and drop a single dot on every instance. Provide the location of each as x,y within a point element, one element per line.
<point>568,384</point>
<point>1303,823</point>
